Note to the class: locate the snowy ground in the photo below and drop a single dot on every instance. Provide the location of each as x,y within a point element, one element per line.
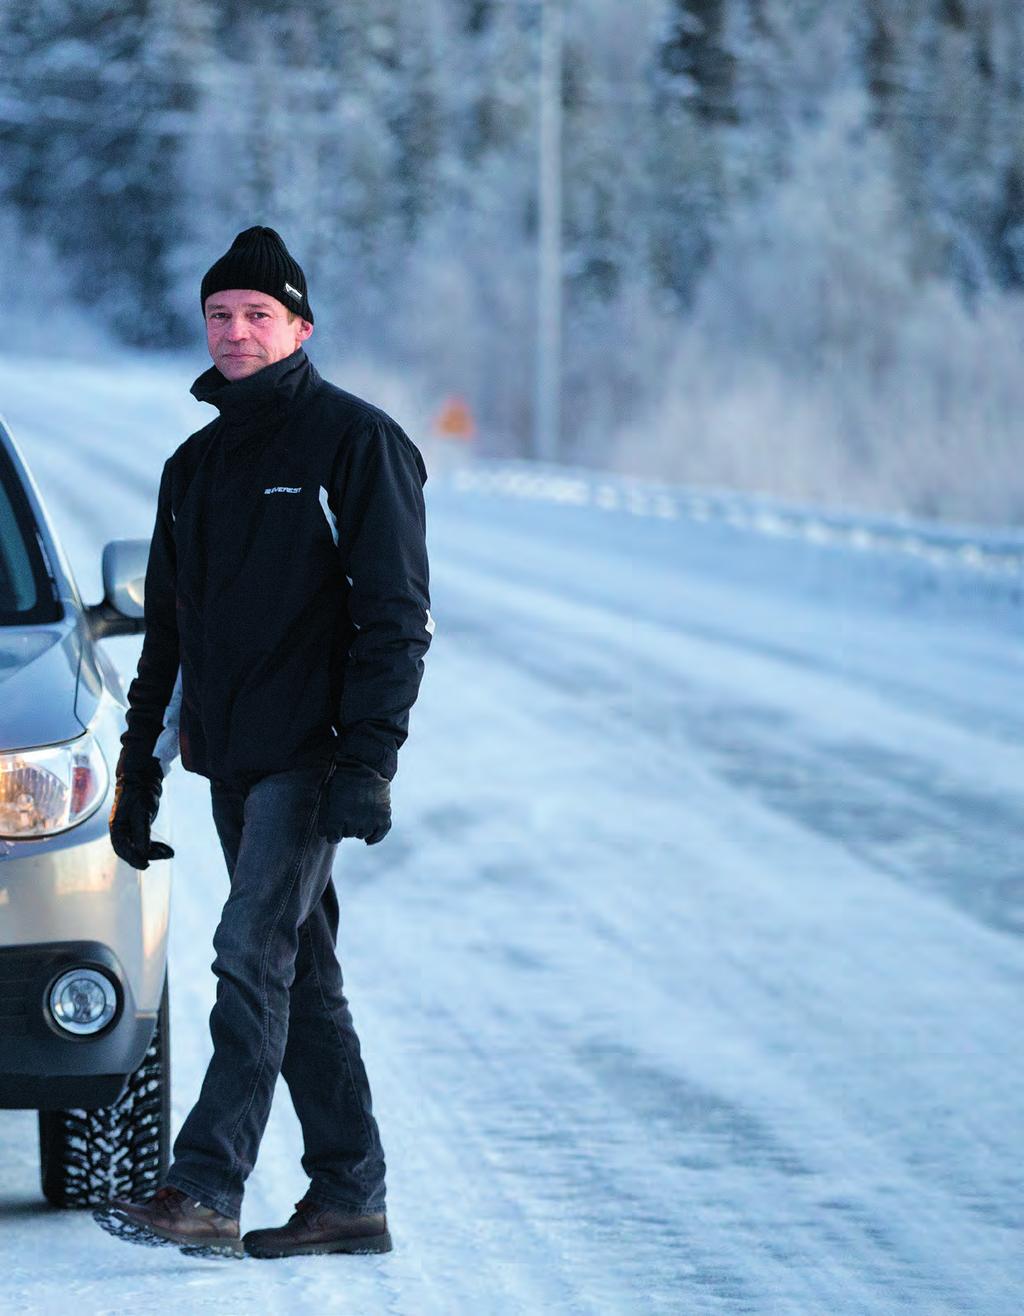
<point>689,978</point>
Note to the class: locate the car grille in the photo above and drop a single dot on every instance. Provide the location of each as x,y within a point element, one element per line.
<point>24,973</point>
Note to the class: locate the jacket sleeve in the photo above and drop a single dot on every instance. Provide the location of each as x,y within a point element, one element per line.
<point>382,539</point>
<point>151,690</point>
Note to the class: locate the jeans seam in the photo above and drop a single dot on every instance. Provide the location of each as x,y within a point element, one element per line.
<point>341,1042</point>
<point>264,965</point>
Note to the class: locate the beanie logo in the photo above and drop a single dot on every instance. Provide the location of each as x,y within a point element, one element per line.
<point>293,292</point>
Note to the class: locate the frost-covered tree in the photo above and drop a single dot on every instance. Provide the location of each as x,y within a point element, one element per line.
<point>846,159</point>
<point>90,152</point>
<point>947,82</point>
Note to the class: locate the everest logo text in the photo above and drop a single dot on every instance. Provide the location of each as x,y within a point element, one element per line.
<point>283,488</point>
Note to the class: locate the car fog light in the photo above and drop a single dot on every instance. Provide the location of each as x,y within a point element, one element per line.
<point>83,1001</point>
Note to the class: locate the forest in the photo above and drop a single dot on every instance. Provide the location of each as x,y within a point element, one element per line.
<point>792,230</point>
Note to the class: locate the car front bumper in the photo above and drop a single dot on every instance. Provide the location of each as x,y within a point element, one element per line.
<point>68,901</point>
<point>44,1068</point>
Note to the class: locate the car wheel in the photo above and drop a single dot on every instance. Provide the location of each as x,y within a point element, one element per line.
<point>121,1150</point>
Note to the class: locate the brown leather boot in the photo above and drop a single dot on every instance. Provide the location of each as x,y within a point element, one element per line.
<point>315,1228</point>
<point>171,1218</point>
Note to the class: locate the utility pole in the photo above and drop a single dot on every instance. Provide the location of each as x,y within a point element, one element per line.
<point>546,421</point>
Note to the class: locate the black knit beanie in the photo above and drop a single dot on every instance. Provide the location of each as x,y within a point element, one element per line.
<point>259,259</point>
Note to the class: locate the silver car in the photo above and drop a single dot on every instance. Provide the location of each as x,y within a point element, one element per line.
<point>83,936</point>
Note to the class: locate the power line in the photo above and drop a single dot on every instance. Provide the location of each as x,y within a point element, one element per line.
<point>162,121</point>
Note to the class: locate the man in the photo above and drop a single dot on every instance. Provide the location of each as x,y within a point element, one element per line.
<point>287,597</point>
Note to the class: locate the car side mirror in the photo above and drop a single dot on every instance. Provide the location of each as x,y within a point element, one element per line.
<point>122,611</point>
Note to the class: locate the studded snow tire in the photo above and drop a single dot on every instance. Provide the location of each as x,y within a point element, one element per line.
<point>121,1150</point>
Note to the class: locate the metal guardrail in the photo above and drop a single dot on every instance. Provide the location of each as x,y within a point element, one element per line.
<point>990,551</point>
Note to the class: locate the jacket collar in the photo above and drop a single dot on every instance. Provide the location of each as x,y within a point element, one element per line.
<point>259,400</point>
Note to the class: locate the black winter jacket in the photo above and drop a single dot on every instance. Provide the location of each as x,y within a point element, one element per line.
<point>288,577</point>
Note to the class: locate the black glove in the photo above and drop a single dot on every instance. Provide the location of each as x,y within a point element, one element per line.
<point>136,800</point>
<point>356,802</point>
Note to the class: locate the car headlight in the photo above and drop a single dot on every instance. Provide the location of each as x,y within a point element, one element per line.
<point>45,791</point>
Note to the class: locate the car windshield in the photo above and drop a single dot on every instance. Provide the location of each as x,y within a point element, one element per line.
<point>26,594</point>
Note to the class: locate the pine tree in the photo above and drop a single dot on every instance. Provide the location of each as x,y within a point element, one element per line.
<point>93,163</point>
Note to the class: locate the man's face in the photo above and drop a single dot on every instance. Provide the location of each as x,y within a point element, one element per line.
<point>247,330</point>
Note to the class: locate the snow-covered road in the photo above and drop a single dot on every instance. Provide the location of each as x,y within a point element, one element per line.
<point>689,977</point>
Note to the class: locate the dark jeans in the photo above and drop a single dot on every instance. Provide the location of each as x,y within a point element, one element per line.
<point>280,1007</point>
